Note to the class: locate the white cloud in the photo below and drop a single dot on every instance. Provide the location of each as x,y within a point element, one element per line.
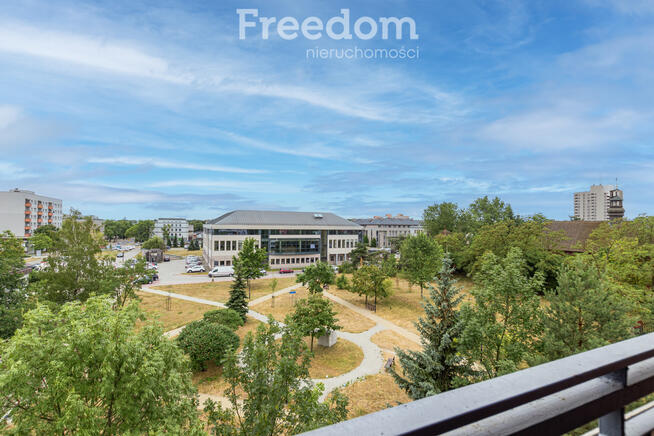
<point>162,163</point>
<point>10,172</point>
<point>227,184</point>
<point>8,116</point>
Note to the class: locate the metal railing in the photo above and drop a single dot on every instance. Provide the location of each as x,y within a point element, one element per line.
<point>548,399</point>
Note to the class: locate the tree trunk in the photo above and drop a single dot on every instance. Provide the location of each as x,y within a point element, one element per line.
<point>312,342</point>
<point>249,290</point>
<point>420,290</point>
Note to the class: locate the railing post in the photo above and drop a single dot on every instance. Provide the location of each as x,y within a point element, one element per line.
<point>612,424</point>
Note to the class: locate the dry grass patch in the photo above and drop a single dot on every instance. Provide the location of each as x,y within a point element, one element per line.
<point>338,359</point>
<point>348,319</point>
<point>219,291</point>
<point>181,312</point>
<point>373,393</point>
<point>387,340</point>
<point>183,252</point>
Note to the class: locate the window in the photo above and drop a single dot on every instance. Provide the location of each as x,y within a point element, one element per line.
<point>228,262</point>
<point>222,246</point>
<point>330,243</point>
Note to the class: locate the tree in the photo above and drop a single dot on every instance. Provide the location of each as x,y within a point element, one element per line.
<point>181,242</point>
<point>420,259</point>
<point>41,241</point>
<point>504,321</point>
<point>373,242</point>
<point>227,317</point>
<point>439,366</point>
<point>250,262</point>
<point>358,255</point>
<point>196,224</point>
<point>278,394</point>
<point>484,212</point>
<point>141,231</point>
<point>46,229</point>
<point>442,216</point>
<point>370,281</point>
<point>154,243</point>
<point>205,341</point>
<point>193,245</point>
<point>116,229</point>
<point>12,284</point>
<point>314,317</point>
<point>237,296</point>
<point>583,313</point>
<point>342,282</point>
<point>88,369</point>
<point>273,286</point>
<point>175,241</point>
<point>316,276</point>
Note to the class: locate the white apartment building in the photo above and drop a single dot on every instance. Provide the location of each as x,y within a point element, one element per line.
<point>593,205</point>
<point>176,227</point>
<point>384,229</point>
<point>291,239</point>
<point>22,212</point>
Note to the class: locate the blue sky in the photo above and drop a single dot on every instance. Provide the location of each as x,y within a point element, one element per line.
<point>145,109</point>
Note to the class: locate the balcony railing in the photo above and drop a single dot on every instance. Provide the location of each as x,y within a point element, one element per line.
<point>547,399</point>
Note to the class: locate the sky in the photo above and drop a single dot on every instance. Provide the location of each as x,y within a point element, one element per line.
<point>149,109</point>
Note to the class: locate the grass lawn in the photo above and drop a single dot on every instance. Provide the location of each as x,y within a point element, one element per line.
<point>373,393</point>
<point>348,319</point>
<point>342,357</point>
<point>402,308</point>
<point>184,252</point>
<point>181,312</point>
<point>388,340</point>
<point>219,291</point>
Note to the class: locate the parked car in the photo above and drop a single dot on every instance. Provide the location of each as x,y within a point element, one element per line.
<point>120,254</point>
<point>166,259</point>
<point>286,271</point>
<point>264,272</point>
<point>222,271</point>
<point>195,269</point>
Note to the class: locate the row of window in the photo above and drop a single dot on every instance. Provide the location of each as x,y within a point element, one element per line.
<point>293,260</point>
<point>342,243</point>
<point>228,245</point>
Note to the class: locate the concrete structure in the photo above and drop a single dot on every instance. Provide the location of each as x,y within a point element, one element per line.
<point>22,212</point>
<point>593,205</point>
<point>615,210</point>
<point>292,239</point>
<point>384,229</point>
<point>176,227</point>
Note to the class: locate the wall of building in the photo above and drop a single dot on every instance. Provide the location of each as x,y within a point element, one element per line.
<point>177,227</point>
<point>15,216</point>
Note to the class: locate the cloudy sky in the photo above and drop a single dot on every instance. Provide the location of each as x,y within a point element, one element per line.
<point>145,109</point>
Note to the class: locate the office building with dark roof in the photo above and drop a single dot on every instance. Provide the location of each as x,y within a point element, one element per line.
<point>384,229</point>
<point>291,239</point>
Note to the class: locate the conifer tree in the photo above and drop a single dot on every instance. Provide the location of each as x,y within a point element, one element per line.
<point>237,298</point>
<point>438,367</point>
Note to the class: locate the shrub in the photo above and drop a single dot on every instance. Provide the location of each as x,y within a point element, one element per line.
<point>342,282</point>
<point>346,268</point>
<point>206,341</point>
<point>227,317</point>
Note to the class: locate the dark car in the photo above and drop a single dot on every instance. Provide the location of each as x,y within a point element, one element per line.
<point>166,258</point>
<point>286,271</point>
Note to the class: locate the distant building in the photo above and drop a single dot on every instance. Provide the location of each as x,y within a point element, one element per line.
<point>575,233</point>
<point>593,205</point>
<point>22,212</point>
<point>98,223</point>
<point>615,210</point>
<point>291,239</point>
<point>176,227</point>
<point>384,229</point>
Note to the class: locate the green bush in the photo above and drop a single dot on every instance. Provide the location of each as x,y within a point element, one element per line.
<point>342,282</point>
<point>346,268</point>
<point>205,341</point>
<point>227,317</point>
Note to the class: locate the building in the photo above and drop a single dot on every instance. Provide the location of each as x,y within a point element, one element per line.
<point>175,226</point>
<point>575,234</point>
<point>615,210</point>
<point>291,239</point>
<point>384,229</point>
<point>594,204</point>
<point>22,212</point>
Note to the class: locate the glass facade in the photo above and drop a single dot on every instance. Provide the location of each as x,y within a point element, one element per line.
<point>293,246</point>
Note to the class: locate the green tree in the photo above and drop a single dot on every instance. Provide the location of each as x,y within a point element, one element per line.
<point>373,242</point>
<point>370,281</point>
<point>483,211</point>
<point>206,341</point>
<point>250,262</point>
<point>196,224</point>
<point>12,284</point>
<point>47,229</point>
<point>279,396</point>
<point>273,286</point>
<point>442,216</point>
<point>116,229</point>
<point>420,259</point>
<point>154,243</point>
<point>342,282</point>
<point>314,317</point>
<point>359,255</point>
<point>504,321</point>
<point>41,241</point>
<point>227,317</point>
<point>316,276</point>
<point>181,242</point>
<point>439,366</point>
<point>237,298</point>
<point>88,369</point>
<point>584,312</point>
<point>141,231</point>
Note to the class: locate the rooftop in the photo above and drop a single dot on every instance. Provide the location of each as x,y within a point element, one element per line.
<point>388,219</point>
<point>281,218</point>
<point>576,232</point>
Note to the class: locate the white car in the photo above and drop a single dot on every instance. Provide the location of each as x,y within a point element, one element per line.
<point>222,271</point>
<point>195,269</point>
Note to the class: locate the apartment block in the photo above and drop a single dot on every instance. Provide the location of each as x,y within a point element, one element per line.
<point>384,229</point>
<point>291,239</point>
<point>593,205</point>
<point>22,212</point>
<point>176,227</point>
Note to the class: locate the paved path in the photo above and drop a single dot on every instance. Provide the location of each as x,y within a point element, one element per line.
<point>379,320</point>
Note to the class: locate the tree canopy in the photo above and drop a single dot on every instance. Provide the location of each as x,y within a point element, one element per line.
<point>314,317</point>
<point>420,259</point>
<point>316,276</point>
<point>250,262</point>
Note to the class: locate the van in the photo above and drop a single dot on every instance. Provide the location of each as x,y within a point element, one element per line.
<point>222,271</point>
